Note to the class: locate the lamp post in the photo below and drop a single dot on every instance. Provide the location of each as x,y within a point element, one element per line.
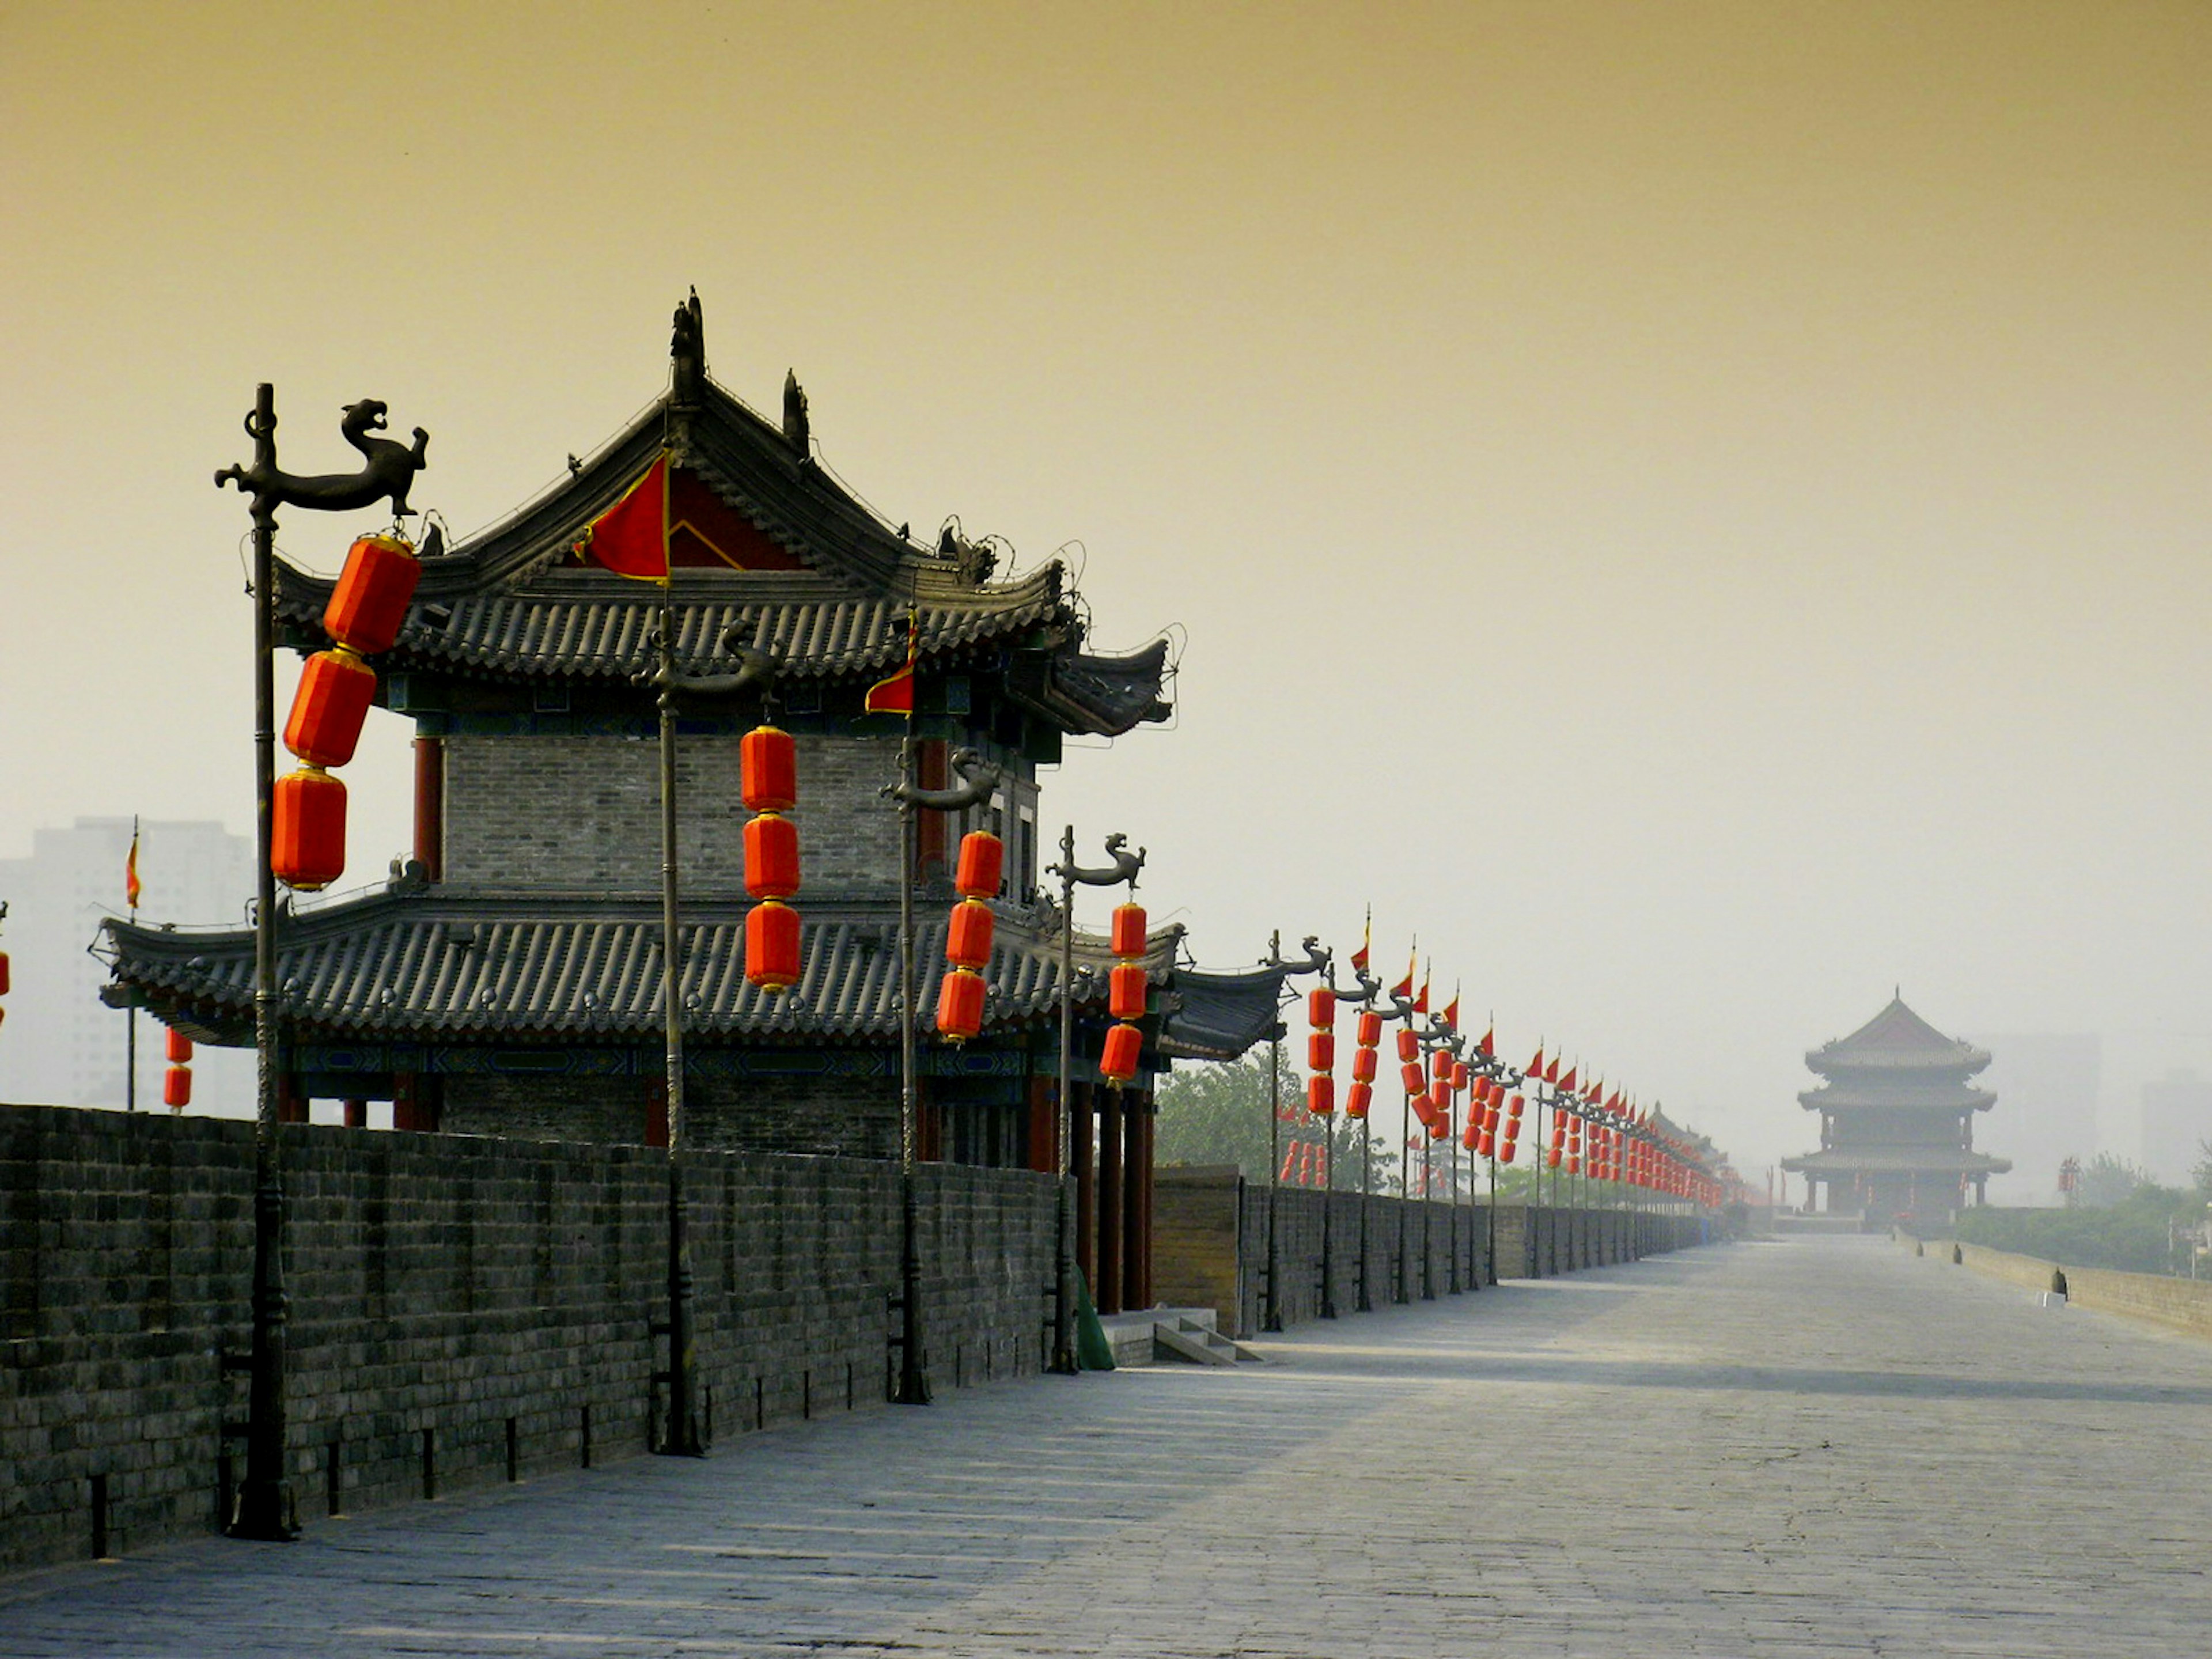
<point>1354,1001</point>
<point>682,1436</point>
<point>265,1507</point>
<point>1317,961</point>
<point>1124,869</point>
<point>980,780</point>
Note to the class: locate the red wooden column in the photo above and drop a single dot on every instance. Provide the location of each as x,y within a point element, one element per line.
<point>1044,1127</point>
<point>1108,1290</point>
<point>1082,1164</point>
<point>357,1114</point>
<point>1136,1235</point>
<point>430,806</point>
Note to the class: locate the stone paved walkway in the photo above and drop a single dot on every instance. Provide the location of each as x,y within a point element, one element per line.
<point>1824,1446</point>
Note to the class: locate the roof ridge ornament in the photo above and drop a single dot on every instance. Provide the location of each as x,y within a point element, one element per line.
<point>687,350</point>
<point>798,430</point>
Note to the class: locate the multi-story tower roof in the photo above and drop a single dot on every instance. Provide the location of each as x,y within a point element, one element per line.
<point>506,979</point>
<point>1897,1118</point>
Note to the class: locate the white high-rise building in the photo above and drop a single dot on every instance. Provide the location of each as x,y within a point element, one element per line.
<point>59,1044</point>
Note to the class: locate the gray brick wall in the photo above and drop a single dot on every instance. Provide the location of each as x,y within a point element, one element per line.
<point>583,813</point>
<point>452,1286</point>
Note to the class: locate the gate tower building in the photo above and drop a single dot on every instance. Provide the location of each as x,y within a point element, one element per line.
<point>506,980</point>
<point>1896,1121</point>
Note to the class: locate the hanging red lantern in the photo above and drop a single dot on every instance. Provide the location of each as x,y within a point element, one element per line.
<point>1506,1149</point>
<point>179,1047</point>
<point>1363,1063</point>
<point>306,842</point>
<point>771,856</point>
<point>1415,1079</point>
<point>768,770</point>
<point>1358,1099</point>
<point>1409,1045</point>
<point>1440,1066</point>
<point>1118,1063</point>
<point>1370,1029</point>
<point>3,973</point>
<point>1321,1008</point>
<point>370,600</point>
<point>1321,1052</point>
<point>1459,1077</point>
<point>336,689</point>
<point>1321,1095</point>
<point>1469,1135</point>
<point>1126,988</point>
<point>981,862</point>
<point>1129,936</point>
<point>960,1005</point>
<point>177,1086</point>
<point>772,946</point>
<point>967,939</point>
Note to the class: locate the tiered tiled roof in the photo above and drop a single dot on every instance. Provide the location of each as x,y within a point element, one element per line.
<point>515,601</point>
<point>446,963</point>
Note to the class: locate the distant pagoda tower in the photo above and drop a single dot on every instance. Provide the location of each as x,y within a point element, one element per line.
<point>1896,1121</point>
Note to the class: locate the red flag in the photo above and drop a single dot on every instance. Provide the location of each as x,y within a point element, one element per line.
<point>1536,1066</point>
<point>1568,1081</point>
<point>1421,1002</point>
<point>1551,1072</point>
<point>1488,1047</point>
<point>1451,1011</point>
<point>130,888</point>
<point>631,538</point>
<point>894,694</point>
<point>1366,943</point>
<point>1404,989</point>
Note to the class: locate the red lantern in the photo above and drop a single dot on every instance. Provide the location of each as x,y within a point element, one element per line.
<point>772,946</point>
<point>1440,1098</point>
<point>1459,1076</point>
<point>1363,1062</point>
<point>768,770</point>
<point>1440,1066</point>
<point>370,601</point>
<point>982,861</point>
<point>336,689</point>
<point>1505,1151</point>
<point>1469,1135</point>
<point>960,1005</point>
<point>1321,1008</point>
<point>180,1048</point>
<point>177,1086</point>
<point>1129,932</point>
<point>3,973</point>
<point>1356,1099</point>
<point>1370,1028</point>
<point>1124,1044</point>
<point>1415,1079</point>
<point>1552,1158</point>
<point>1126,988</point>
<point>1513,1110</point>
<point>771,856</point>
<point>967,940</point>
<point>1321,1095</point>
<point>307,830</point>
<point>1321,1052</point>
<point>1409,1045</point>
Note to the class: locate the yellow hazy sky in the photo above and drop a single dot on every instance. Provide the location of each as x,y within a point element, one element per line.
<point>1701,510</point>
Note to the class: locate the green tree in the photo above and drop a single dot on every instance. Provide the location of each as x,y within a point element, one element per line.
<point>1219,1114</point>
<point>2107,1181</point>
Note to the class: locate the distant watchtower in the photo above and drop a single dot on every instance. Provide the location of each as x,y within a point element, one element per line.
<point>1896,1121</point>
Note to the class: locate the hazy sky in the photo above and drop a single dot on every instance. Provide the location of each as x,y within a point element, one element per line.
<point>1700,510</point>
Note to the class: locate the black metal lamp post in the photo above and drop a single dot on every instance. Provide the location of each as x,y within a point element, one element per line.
<point>1124,869</point>
<point>682,1436</point>
<point>981,778</point>
<point>265,1507</point>
<point>1316,962</point>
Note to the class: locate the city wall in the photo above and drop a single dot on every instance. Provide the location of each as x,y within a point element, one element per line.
<point>463,1310</point>
<point>2182,1305</point>
<point>1339,1253</point>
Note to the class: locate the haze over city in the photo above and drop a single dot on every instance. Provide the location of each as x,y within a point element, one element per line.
<point>1699,513</point>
